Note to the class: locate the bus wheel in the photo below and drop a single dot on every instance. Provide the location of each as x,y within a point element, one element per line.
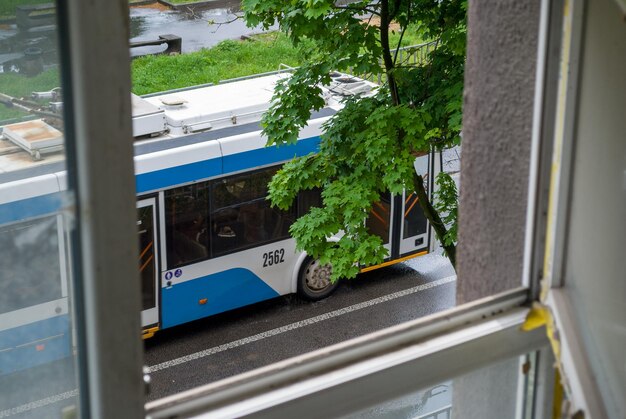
<point>314,280</point>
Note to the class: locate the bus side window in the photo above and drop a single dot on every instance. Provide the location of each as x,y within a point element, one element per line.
<point>379,218</point>
<point>186,224</point>
<point>241,215</point>
<point>308,199</point>
<point>278,221</point>
<point>227,195</point>
<point>414,220</point>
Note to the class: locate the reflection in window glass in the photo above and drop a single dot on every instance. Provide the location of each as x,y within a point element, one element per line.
<point>30,263</point>
<point>594,268</point>
<point>309,199</point>
<point>147,252</point>
<point>37,346</point>
<point>241,215</point>
<point>431,403</point>
<point>487,393</point>
<point>243,188</point>
<point>415,222</point>
<point>186,211</point>
<point>379,219</point>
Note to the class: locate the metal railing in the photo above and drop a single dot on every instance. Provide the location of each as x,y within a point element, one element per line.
<point>443,413</point>
<point>411,56</point>
<point>415,54</point>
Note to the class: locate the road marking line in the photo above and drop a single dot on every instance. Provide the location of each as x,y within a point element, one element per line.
<point>221,348</point>
<point>39,403</point>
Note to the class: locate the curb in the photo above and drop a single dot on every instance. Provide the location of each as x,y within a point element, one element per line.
<point>141,2</point>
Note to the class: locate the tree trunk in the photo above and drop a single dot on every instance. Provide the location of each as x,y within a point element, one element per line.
<point>429,211</point>
<point>387,59</point>
<point>433,216</point>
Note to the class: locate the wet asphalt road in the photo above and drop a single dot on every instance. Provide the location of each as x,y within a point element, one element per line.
<point>225,345</point>
<point>198,27</point>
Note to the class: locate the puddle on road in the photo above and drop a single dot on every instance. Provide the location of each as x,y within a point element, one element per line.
<point>199,28</point>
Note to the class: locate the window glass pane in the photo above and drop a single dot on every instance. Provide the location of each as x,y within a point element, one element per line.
<point>493,392</point>
<point>37,342</point>
<point>241,215</point>
<point>261,223</point>
<point>379,219</point>
<point>309,199</point>
<point>186,211</point>
<point>147,253</point>
<point>239,189</point>
<point>31,252</point>
<point>595,274</point>
<point>414,221</point>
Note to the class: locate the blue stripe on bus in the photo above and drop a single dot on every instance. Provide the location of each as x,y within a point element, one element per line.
<point>269,155</point>
<point>179,174</point>
<point>31,207</point>
<point>186,173</point>
<point>223,291</point>
<point>34,344</point>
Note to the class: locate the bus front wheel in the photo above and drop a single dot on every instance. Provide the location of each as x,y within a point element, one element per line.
<point>314,280</point>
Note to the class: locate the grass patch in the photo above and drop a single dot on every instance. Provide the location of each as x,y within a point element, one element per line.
<point>410,38</point>
<point>17,85</point>
<point>6,114</point>
<point>227,60</point>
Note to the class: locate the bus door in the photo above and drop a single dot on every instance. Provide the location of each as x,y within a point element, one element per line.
<point>413,235</point>
<point>148,255</point>
<point>380,220</point>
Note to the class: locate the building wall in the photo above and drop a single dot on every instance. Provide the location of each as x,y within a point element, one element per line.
<point>497,125</point>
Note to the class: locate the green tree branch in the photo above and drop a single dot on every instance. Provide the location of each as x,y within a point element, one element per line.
<point>368,148</point>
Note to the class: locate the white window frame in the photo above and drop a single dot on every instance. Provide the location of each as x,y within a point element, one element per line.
<point>95,65</point>
<point>579,378</point>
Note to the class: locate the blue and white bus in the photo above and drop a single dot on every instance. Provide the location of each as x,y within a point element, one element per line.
<point>209,240</point>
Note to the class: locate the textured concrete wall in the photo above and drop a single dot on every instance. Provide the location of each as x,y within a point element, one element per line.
<point>497,123</point>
